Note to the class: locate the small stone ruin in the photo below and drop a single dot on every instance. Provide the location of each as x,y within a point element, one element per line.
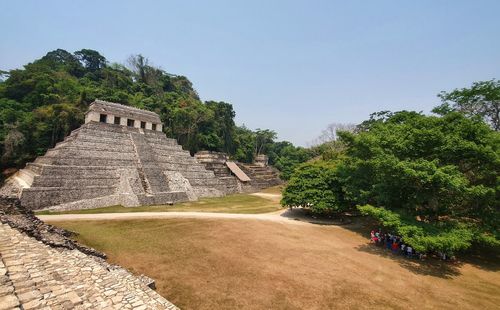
<point>120,156</point>
<point>240,177</point>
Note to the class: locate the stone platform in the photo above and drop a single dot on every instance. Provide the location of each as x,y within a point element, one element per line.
<point>36,276</point>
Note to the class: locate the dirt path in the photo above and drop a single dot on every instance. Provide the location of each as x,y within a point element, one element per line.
<point>268,196</point>
<point>280,216</point>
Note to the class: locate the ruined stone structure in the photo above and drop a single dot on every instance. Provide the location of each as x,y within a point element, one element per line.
<point>119,156</point>
<point>261,160</point>
<point>240,177</point>
<point>261,176</point>
<point>41,269</point>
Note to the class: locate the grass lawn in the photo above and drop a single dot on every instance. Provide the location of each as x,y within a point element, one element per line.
<point>251,264</point>
<point>274,189</point>
<point>238,203</point>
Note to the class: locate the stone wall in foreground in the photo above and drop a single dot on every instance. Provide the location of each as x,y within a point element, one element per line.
<point>36,275</point>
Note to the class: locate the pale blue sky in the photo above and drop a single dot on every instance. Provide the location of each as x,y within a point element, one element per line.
<point>291,66</point>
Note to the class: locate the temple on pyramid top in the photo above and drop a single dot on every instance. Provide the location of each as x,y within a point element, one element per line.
<point>120,156</point>
<point>119,114</point>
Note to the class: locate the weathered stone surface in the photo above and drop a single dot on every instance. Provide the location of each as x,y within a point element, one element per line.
<point>8,302</point>
<point>39,276</point>
<point>261,175</point>
<point>23,219</point>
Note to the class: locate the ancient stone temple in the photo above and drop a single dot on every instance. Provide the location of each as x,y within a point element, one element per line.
<point>237,177</point>
<point>120,156</point>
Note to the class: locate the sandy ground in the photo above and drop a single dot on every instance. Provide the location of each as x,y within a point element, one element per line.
<point>279,216</point>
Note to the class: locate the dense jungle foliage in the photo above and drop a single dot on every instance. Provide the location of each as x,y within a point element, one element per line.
<point>432,179</point>
<point>41,103</point>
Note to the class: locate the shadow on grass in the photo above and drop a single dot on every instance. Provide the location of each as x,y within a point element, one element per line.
<point>303,215</point>
<point>486,259</point>
<point>427,267</point>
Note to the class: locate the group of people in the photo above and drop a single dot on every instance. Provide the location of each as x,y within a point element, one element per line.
<point>394,243</point>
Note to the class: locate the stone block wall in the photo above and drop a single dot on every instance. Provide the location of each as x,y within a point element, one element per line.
<point>103,164</point>
<point>119,114</point>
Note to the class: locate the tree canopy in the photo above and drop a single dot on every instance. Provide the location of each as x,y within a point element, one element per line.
<point>41,103</point>
<point>482,99</point>
<point>436,178</point>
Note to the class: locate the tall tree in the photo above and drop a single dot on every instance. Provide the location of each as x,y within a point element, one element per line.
<point>482,99</point>
<point>264,138</point>
<point>91,59</point>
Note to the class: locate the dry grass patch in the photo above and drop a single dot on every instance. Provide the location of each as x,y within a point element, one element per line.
<point>278,189</point>
<point>250,264</point>
<point>238,203</point>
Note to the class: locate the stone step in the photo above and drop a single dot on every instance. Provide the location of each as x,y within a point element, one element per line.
<point>27,176</point>
<point>99,141</point>
<point>57,171</point>
<point>161,141</point>
<point>89,153</point>
<point>204,191</point>
<point>152,179</point>
<point>86,161</point>
<point>89,146</point>
<point>167,147</point>
<point>197,174</point>
<point>85,133</point>
<point>174,158</point>
<point>37,169</point>
<point>74,182</point>
<point>42,197</point>
<point>177,151</point>
<point>122,140</point>
<point>181,166</point>
<point>203,181</point>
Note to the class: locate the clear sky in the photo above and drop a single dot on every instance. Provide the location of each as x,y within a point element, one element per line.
<point>291,66</point>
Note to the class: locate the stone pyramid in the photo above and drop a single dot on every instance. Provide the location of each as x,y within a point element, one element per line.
<point>119,156</point>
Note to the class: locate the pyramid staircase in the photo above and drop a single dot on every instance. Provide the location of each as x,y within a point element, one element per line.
<point>261,176</point>
<point>102,164</point>
<point>216,162</point>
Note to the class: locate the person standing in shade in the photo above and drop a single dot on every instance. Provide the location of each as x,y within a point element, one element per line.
<point>409,251</point>
<point>395,247</point>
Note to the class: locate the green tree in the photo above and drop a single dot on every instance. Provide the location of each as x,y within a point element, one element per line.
<point>315,186</point>
<point>436,173</point>
<point>244,144</point>
<point>223,124</point>
<point>264,139</point>
<point>91,60</point>
<point>482,99</point>
<point>286,157</point>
